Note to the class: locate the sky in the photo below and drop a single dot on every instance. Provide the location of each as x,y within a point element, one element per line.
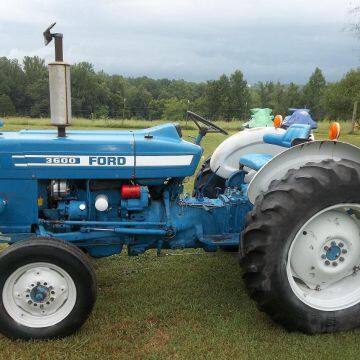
<point>195,40</point>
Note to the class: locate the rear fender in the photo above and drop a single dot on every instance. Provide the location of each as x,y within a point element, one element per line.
<point>296,157</point>
<point>225,159</point>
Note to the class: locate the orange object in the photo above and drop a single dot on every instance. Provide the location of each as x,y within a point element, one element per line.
<point>278,121</point>
<point>334,131</point>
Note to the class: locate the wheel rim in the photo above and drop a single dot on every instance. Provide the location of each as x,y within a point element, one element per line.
<point>39,295</point>
<point>324,259</point>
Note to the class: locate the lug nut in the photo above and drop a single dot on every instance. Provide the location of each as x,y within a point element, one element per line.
<point>323,256</point>
<point>333,243</point>
<point>334,263</point>
<point>341,244</point>
<point>327,262</point>
<point>341,258</point>
<point>29,302</point>
<point>344,251</point>
<point>326,248</point>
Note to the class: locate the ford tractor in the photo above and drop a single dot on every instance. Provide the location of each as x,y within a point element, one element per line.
<point>69,196</point>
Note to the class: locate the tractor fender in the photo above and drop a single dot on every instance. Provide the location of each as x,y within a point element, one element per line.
<point>297,156</point>
<point>225,159</point>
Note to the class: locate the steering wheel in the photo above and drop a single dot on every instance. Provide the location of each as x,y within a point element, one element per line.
<point>209,126</point>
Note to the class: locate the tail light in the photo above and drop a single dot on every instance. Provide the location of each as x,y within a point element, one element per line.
<point>130,191</point>
<point>278,121</point>
<point>334,131</point>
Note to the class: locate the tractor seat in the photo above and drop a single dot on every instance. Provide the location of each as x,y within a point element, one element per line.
<point>294,132</point>
<point>255,161</point>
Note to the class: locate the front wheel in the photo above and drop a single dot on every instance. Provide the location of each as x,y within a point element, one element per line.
<point>47,289</point>
<point>301,248</point>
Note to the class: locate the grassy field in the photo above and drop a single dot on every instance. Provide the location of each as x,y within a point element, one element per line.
<point>182,305</point>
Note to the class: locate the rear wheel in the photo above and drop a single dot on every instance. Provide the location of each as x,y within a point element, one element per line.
<point>207,183</point>
<point>47,289</point>
<point>301,248</point>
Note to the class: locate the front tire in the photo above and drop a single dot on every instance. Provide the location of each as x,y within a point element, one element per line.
<point>301,248</point>
<point>47,289</point>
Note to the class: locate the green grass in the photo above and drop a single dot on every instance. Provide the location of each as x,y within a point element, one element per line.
<point>181,305</point>
<point>25,122</point>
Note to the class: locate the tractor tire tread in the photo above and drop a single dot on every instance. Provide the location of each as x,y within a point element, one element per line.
<point>266,232</point>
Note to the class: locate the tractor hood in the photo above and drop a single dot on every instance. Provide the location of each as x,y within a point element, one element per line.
<point>155,153</point>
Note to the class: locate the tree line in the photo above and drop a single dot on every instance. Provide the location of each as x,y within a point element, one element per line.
<point>24,92</point>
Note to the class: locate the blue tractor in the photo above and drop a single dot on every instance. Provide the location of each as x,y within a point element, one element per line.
<point>67,196</point>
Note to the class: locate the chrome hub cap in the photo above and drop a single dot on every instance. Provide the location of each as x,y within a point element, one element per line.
<point>39,295</point>
<point>324,259</point>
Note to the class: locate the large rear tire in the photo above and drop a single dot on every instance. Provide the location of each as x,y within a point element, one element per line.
<point>300,251</point>
<point>47,289</point>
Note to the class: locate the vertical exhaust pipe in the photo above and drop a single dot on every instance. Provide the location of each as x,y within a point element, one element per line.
<point>59,84</point>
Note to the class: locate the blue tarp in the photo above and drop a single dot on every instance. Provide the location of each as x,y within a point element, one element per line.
<point>299,116</point>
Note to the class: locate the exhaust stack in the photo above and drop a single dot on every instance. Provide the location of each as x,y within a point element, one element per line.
<point>59,84</point>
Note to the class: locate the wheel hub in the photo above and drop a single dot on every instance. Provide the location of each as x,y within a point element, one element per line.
<point>333,252</point>
<point>324,258</point>
<point>39,294</point>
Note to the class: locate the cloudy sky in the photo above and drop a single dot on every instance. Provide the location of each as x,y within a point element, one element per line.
<point>190,39</point>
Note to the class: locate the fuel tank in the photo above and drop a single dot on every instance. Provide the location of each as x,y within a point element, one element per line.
<point>154,153</point>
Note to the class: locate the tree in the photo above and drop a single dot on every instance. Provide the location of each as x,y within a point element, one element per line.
<point>156,109</point>
<point>87,90</point>
<point>224,94</point>
<point>138,100</point>
<point>24,91</point>
<point>313,93</point>
<point>239,95</point>
<point>6,106</point>
<point>212,97</point>
<point>36,86</point>
<point>12,83</point>
<point>174,109</point>
<point>340,97</point>
<point>265,91</point>
<point>277,98</point>
<point>217,95</point>
<point>292,97</point>
<point>116,86</point>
